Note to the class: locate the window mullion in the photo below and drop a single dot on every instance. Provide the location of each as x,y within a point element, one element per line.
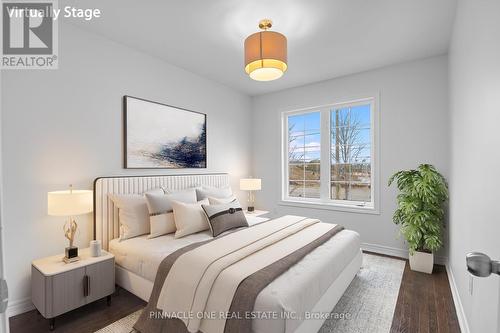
<point>325,155</point>
<point>286,162</point>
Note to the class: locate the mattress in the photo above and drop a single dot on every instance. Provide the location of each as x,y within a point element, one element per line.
<point>293,293</point>
<point>142,256</point>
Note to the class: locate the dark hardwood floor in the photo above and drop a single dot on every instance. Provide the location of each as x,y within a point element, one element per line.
<point>424,305</point>
<point>86,319</point>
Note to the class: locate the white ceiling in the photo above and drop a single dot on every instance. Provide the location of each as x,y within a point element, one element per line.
<point>326,38</point>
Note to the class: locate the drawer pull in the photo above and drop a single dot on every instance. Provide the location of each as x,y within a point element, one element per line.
<point>86,285</point>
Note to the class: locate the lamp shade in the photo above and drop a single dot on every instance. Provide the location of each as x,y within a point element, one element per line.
<point>250,184</point>
<point>70,202</point>
<point>265,55</point>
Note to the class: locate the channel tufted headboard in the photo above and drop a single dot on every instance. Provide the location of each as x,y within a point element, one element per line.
<point>106,226</point>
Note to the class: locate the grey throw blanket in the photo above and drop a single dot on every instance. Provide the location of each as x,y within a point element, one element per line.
<point>152,321</point>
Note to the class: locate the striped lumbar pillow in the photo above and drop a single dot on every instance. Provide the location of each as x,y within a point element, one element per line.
<point>225,217</point>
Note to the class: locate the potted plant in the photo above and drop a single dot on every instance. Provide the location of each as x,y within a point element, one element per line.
<point>420,213</point>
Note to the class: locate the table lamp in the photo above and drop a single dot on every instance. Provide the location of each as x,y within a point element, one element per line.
<point>70,203</point>
<point>251,185</point>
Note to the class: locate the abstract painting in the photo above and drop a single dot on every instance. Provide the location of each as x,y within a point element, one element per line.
<point>163,136</point>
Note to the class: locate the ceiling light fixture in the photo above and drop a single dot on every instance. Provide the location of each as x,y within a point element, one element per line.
<point>265,53</point>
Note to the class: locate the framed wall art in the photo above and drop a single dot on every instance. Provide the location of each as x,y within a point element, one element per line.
<point>160,136</point>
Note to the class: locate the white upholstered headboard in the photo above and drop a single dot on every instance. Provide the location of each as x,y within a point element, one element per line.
<point>106,225</point>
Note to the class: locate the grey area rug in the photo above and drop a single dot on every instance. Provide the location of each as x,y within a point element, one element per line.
<point>369,302</point>
<point>367,305</point>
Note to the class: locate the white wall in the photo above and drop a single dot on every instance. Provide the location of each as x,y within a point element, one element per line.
<point>65,126</point>
<point>475,159</point>
<point>413,130</point>
<point>4,327</point>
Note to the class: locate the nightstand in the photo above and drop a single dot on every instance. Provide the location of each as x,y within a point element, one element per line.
<point>256,216</point>
<point>256,212</point>
<point>57,287</point>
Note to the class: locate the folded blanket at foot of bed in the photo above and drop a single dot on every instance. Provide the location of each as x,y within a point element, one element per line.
<point>211,286</point>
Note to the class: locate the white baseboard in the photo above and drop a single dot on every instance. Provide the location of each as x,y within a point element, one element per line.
<point>390,251</point>
<point>19,306</point>
<point>395,252</point>
<point>462,319</point>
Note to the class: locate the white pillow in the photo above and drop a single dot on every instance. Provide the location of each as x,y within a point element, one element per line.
<point>189,218</point>
<point>161,216</point>
<point>221,201</point>
<point>214,192</point>
<point>133,214</point>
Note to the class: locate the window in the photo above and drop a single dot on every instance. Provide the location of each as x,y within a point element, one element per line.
<point>329,155</point>
<point>304,150</point>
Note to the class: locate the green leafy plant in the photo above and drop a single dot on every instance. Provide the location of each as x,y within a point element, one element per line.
<point>420,211</point>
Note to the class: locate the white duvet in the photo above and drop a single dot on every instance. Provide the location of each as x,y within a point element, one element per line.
<point>297,290</point>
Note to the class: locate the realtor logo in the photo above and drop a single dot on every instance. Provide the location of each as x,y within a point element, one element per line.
<point>29,35</point>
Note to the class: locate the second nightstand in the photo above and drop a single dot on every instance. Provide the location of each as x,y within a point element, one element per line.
<point>57,287</point>
<point>256,216</point>
<point>256,212</point>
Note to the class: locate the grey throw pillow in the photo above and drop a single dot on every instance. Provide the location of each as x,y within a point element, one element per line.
<point>225,217</point>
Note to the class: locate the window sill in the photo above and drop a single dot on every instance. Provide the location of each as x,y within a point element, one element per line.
<point>330,206</point>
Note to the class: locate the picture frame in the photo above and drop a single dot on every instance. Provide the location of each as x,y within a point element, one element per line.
<point>162,136</point>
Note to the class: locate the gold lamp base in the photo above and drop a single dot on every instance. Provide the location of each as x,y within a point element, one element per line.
<point>265,24</point>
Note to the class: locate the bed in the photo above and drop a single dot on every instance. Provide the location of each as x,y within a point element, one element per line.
<point>314,285</point>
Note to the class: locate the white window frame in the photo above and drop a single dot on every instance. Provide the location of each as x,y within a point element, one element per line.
<point>324,202</point>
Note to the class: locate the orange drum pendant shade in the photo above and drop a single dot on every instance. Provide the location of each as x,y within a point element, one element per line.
<point>265,54</point>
